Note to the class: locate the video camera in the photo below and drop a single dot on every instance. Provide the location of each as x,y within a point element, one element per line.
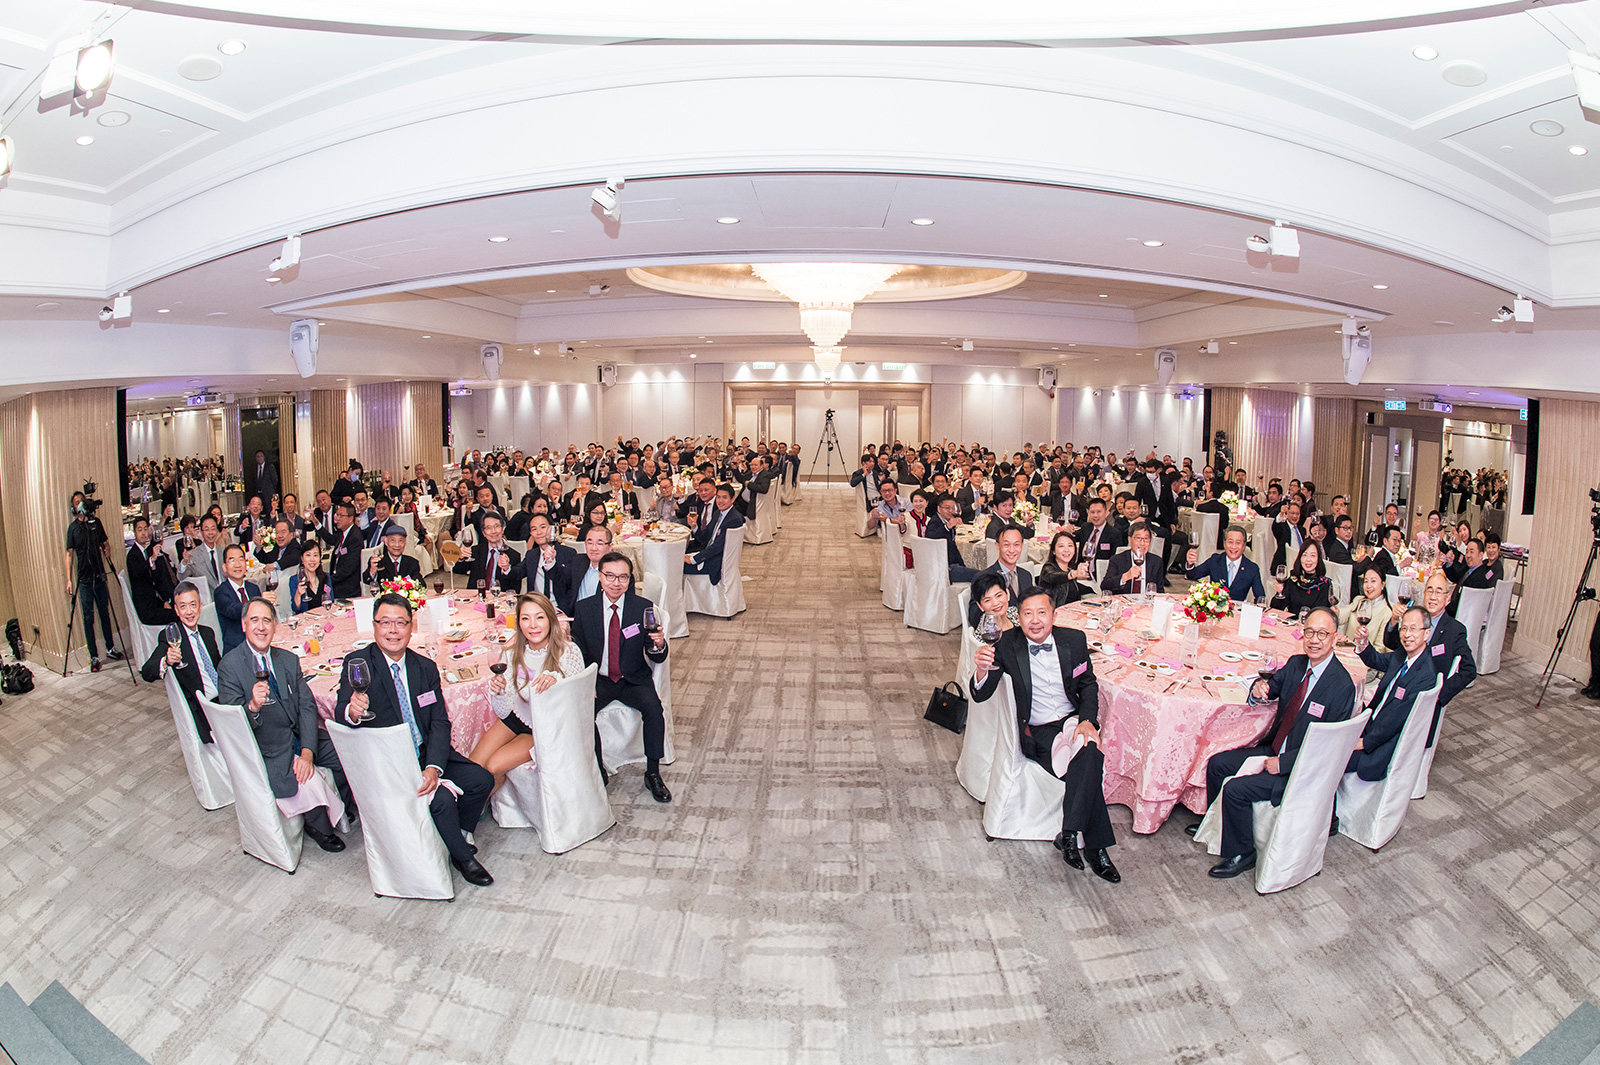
<point>1594,512</point>
<point>88,503</point>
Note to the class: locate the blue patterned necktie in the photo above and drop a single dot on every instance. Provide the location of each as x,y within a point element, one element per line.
<point>403,694</point>
<point>205,659</point>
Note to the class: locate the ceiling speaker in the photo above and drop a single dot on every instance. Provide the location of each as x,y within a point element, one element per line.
<point>303,343</point>
<point>1166,365</point>
<point>608,373</point>
<point>493,355</point>
<point>1047,377</point>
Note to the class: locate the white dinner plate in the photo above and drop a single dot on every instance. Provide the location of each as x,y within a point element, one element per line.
<point>1164,669</point>
<point>1254,656</point>
<point>1091,623</point>
<point>359,644</point>
<point>1232,656</point>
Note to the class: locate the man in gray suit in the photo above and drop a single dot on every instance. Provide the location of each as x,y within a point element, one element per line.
<point>283,715</point>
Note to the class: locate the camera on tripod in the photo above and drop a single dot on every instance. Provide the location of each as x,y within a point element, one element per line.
<point>88,502</point>
<point>1594,511</point>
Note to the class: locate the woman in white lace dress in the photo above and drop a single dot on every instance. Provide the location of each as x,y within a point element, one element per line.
<point>541,654</point>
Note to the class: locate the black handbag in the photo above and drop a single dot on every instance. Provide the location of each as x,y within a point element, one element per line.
<point>947,709</point>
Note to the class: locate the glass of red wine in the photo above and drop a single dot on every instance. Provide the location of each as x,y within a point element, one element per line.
<point>652,623</point>
<point>483,588</point>
<point>438,586</point>
<point>498,666</point>
<point>360,679</point>
<point>988,630</point>
<point>488,611</point>
<point>261,675</point>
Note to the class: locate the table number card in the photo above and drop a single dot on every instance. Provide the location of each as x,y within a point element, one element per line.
<point>363,612</point>
<point>1249,621</point>
<point>1161,617</point>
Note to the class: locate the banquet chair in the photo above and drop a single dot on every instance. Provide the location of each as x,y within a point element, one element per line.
<point>621,728</point>
<point>1205,538</point>
<point>1472,610</point>
<point>1158,546</point>
<point>1421,790</point>
<point>1340,574</point>
<point>1023,800</point>
<point>366,560</point>
<point>516,488</point>
<point>1494,631</point>
<point>264,831</point>
<point>723,600</point>
<point>786,491</point>
<point>208,770</point>
<point>1370,811</point>
<point>653,588</point>
<point>285,605</point>
<point>406,859</point>
<point>1291,837</point>
<point>1100,567</point>
<point>142,637</point>
<point>208,618</point>
<point>969,645</point>
<point>559,793</point>
<point>407,521</point>
<point>761,528</point>
<point>1397,584</point>
<point>976,759</point>
<point>929,599</point>
<point>892,572</point>
<point>647,497</point>
<point>862,510</point>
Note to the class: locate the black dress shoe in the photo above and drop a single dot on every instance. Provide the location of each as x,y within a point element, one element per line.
<point>1100,862</point>
<point>1192,830</point>
<point>658,789</point>
<point>473,871</point>
<point>114,654</point>
<point>328,842</point>
<point>1232,867</point>
<point>1069,851</point>
<point>1591,692</point>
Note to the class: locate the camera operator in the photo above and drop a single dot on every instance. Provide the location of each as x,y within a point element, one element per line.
<point>86,539</point>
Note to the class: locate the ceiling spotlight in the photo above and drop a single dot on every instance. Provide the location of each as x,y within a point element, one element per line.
<point>1520,310</point>
<point>1380,288</point>
<point>163,310</point>
<point>1425,53</point>
<point>7,155</point>
<point>498,240</point>
<point>966,345</point>
<point>85,140</point>
<point>93,70</point>
<point>692,355</point>
<point>608,198</point>
<point>121,307</point>
<point>289,258</point>
<point>1578,149</point>
<point>1153,243</point>
<point>922,221</point>
<point>1280,242</point>
<point>1105,295</point>
<point>550,291</point>
<point>727,220</point>
<point>232,46</point>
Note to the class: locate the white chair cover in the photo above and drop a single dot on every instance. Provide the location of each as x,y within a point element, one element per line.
<point>407,521</point>
<point>1024,799</point>
<point>969,645</point>
<point>723,600</point>
<point>1494,631</point>
<point>977,740</point>
<point>1205,539</point>
<point>559,794</point>
<point>622,728</point>
<point>142,637</point>
<point>653,588</point>
<point>1397,585</point>
<point>517,487</point>
<point>929,600</point>
<point>761,526</point>
<point>502,485</point>
<point>406,859</point>
<point>208,618</point>
<point>893,568</point>
<point>985,553</point>
<point>284,604</point>
<point>1340,574</point>
<point>263,829</point>
<point>1472,610</point>
<point>647,498</point>
<point>208,770</point>
<point>1100,567</point>
<point>1290,838</point>
<point>366,560</point>
<point>1158,546</point>
<point>787,493</point>
<point>1263,545</point>
<point>861,510</point>
<point>1370,811</point>
<point>1421,790</point>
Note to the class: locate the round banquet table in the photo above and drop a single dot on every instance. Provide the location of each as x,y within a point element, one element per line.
<point>1158,729</point>
<point>661,557</point>
<point>466,701</point>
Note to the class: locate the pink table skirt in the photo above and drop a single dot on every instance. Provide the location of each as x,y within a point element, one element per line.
<point>466,702</point>
<point>1157,737</point>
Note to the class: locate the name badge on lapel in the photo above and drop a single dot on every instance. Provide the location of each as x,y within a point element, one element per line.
<point>1315,709</point>
<point>1438,648</point>
<point>1105,547</point>
<point>1079,669</point>
<point>631,631</point>
<point>1399,693</point>
<point>427,699</point>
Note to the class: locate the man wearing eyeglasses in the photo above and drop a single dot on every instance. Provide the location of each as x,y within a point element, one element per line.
<point>1309,688</point>
<point>609,629</point>
<point>1407,673</point>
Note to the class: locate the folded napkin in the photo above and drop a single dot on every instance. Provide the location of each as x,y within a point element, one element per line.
<point>1067,745</point>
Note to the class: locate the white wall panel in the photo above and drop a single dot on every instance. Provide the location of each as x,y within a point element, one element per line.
<point>1117,419</point>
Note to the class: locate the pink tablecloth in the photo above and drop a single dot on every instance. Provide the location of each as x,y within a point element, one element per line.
<point>1158,730</point>
<point>466,702</point>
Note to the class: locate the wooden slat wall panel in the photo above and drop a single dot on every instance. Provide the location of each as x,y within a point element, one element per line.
<point>288,469</point>
<point>1334,449</point>
<point>1561,536</point>
<point>398,424</point>
<point>50,443</point>
<point>7,603</point>
<point>232,442</point>
<point>1260,427</point>
<point>330,441</point>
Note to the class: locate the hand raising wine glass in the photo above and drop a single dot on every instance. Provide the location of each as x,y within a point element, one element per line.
<point>988,630</point>
<point>360,681</point>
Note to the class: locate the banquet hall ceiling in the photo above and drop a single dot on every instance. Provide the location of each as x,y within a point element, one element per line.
<point>1432,154</point>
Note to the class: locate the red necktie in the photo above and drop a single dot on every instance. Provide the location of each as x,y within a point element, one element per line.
<point>1290,711</point>
<point>614,646</point>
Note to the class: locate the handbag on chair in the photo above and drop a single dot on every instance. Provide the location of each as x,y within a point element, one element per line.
<point>947,708</point>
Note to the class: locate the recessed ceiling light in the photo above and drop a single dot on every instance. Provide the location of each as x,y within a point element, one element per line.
<point>1233,342</point>
<point>1105,295</point>
<point>1425,53</point>
<point>1578,149</point>
<point>1545,127</point>
<point>232,46</point>
<point>1472,393</point>
<point>85,140</point>
<point>1441,321</point>
<point>550,291</point>
<point>691,355</point>
<point>1380,288</point>
<point>708,341</point>
<point>217,314</point>
<point>498,240</point>
<point>1388,390</point>
<point>112,119</point>
<point>1464,73</point>
<point>1055,349</point>
<point>163,310</point>
<point>1153,243</point>
<point>273,280</point>
<point>727,220</point>
<point>922,221</point>
<point>427,336</point>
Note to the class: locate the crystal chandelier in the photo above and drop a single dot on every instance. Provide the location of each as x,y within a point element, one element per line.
<point>826,292</point>
<point>827,359</point>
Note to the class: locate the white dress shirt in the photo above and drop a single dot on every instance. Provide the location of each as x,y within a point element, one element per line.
<point>1050,702</point>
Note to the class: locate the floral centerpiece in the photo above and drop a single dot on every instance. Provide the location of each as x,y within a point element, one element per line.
<point>1229,500</point>
<point>1207,601</point>
<point>1025,513</point>
<point>267,538</point>
<point>413,590</point>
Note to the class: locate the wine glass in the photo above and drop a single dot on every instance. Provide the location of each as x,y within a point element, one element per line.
<point>988,630</point>
<point>261,674</point>
<point>483,588</point>
<point>438,585</point>
<point>488,612</point>
<point>498,666</point>
<point>175,637</point>
<point>652,624</point>
<point>1281,572</point>
<point>360,679</point>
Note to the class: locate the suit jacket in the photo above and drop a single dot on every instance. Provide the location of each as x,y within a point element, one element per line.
<point>1334,694</point>
<point>230,612</point>
<point>968,500</point>
<point>1212,506</point>
<point>1068,508</point>
<point>1246,585</point>
<point>1286,552</point>
<point>480,558</point>
<point>998,525</point>
<point>188,671</point>
<point>693,503</point>
<point>1379,559</point>
<point>263,484</point>
<point>938,530</point>
<point>284,726</point>
<point>758,485</point>
<point>344,564</point>
<point>1155,573</point>
<point>1024,585</point>
<point>245,531</point>
<point>1382,734</point>
<point>629,500</point>
<point>1446,647</point>
<point>1077,678</point>
<point>203,565</point>
<point>1111,541</point>
<point>383,701</point>
<point>576,508</point>
<point>525,575</point>
<point>1337,552</point>
<point>1161,507</point>
<point>590,621</point>
<point>707,548</point>
<point>151,584</point>
<point>388,570</point>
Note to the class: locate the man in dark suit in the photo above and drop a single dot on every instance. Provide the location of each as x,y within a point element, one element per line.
<point>700,503</point>
<point>1384,558</point>
<point>942,526</point>
<point>1288,534</point>
<point>1056,692</point>
<point>151,579</point>
<point>1310,687</point>
<point>971,495</point>
<point>1448,648</point>
<point>1099,540</point>
<point>1066,506</point>
<point>392,562</point>
<point>1018,581</point>
<point>618,492</point>
<point>491,559</point>
<point>1338,507</point>
<point>1338,546</point>
<point>576,506</point>
<point>1154,493</point>
<point>263,479</point>
<point>609,630</point>
<point>425,485</point>
<point>195,658</point>
<point>405,690</point>
<point>1005,505</point>
<point>231,596</point>
<point>1469,571</point>
<point>759,484</point>
<point>1407,673</point>
<point>547,567</point>
<point>707,540</point>
<point>344,558</point>
<point>1136,569</point>
<point>1230,568</point>
<point>283,715</point>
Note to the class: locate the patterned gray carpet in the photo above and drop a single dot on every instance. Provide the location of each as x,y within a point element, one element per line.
<point>819,891</point>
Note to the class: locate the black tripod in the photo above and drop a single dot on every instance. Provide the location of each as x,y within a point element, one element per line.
<point>1583,594</point>
<point>830,437</point>
<point>125,625</point>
